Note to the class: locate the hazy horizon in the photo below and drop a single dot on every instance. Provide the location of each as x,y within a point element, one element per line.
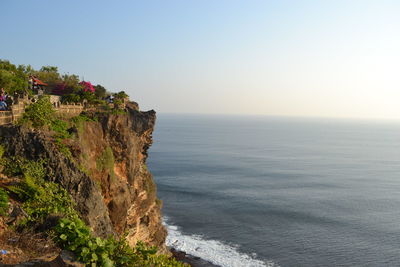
<point>289,58</point>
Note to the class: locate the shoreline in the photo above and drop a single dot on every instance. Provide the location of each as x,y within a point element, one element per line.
<point>193,261</point>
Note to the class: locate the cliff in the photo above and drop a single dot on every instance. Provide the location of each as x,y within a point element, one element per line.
<point>105,172</point>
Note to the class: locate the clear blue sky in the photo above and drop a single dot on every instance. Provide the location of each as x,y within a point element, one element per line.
<point>298,58</point>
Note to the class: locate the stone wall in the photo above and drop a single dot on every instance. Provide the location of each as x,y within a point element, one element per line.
<point>65,110</point>
<point>6,117</point>
<point>70,110</point>
<point>16,111</point>
<point>12,115</point>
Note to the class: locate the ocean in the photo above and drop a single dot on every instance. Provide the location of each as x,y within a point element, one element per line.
<point>276,191</point>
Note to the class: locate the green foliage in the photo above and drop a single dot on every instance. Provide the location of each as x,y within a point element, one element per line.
<point>71,98</point>
<point>71,83</point>
<point>79,97</point>
<point>79,121</point>
<point>100,91</point>
<point>2,150</point>
<point>118,112</point>
<point>74,235</point>
<point>3,202</point>
<point>63,148</point>
<point>120,95</point>
<point>40,113</point>
<point>117,101</point>
<point>61,128</point>
<point>106,107</point>
<point>49,75</point>
<point>2,160</point>
<point>40,197</point>
<point>106,161</point>
<point>89,96</point>
<point>12,79</point>
<point>82,117</point>
<point>16,166</point>
<point>49,198</point>
<point>98,102</point>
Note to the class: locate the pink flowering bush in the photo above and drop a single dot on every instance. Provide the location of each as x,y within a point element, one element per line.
<point>87,86</point>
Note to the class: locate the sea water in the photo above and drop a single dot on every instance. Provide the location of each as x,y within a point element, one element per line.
<point>275,191</point>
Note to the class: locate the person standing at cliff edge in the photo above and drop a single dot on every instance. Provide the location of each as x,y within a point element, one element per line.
<point>3,98</point>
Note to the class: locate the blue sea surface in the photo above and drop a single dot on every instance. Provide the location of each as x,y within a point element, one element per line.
<point>275,191</point>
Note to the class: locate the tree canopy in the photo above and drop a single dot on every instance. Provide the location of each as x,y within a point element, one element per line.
<point>15,79</point>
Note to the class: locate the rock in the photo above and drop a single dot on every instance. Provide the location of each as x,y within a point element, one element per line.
<point>65,259</point>
<point>112,201</point>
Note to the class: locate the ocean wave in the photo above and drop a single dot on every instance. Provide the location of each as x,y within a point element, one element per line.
<point>213,251</point>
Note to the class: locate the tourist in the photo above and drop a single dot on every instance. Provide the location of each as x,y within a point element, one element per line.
<point>3,98</point>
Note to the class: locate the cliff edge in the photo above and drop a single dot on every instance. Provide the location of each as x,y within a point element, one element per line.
<point>102,165</point>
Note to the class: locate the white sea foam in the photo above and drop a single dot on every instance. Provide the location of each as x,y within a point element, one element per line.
<point>213,251</point>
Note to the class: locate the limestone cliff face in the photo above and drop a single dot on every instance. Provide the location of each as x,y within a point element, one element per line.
<point>107,176</point>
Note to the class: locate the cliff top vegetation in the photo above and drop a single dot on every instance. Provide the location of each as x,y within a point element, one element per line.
<point>33,203</point>
<point>24,79</point>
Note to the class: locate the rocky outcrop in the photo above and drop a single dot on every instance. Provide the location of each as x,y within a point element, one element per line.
<point>35,145</point>
<point>107,176</point>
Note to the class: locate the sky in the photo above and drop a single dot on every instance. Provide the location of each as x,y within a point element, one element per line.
<point>293,58</point>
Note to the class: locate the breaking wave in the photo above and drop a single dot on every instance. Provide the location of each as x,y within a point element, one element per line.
<point>213,251</point>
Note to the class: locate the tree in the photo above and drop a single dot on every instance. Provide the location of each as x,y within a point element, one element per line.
<point>40,113</point>
<point>121,95</point>
<point>100,91</point>
<point>12,79</point>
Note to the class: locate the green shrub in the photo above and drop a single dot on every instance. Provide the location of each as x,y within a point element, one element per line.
<point>2,160</point>
<point>49,198</point>
<point>40,113</point>
<point>117,101</point>
<point>106,161</point>
<point>79,121</point>
<point>3,202</point>
<point>61,128</point>
<point>74,235</point>
<point>40,197</point>
<point>12,78</point>
<point>121,95</point>
<point>118,112</point>
<point>17,166</point>
<point>2,151</point>
<point>97,102</point>
<point>71,98</point>
<point>82,117</point>
<point>63,148</point>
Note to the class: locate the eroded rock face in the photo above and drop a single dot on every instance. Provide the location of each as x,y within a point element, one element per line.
<point>35,145</point>
<point>120,199</point>
<point>129,190</point>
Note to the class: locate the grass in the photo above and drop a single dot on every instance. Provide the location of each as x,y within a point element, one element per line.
<point>3,202</point>
<point>106,162</point>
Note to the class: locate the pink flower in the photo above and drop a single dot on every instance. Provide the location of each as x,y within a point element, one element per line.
<point>87,86</point>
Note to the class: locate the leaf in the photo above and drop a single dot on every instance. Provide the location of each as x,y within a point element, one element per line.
<point>63,237</point>
<point>99,242</point>
<point>108,263</point>
<point>94,257</point>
